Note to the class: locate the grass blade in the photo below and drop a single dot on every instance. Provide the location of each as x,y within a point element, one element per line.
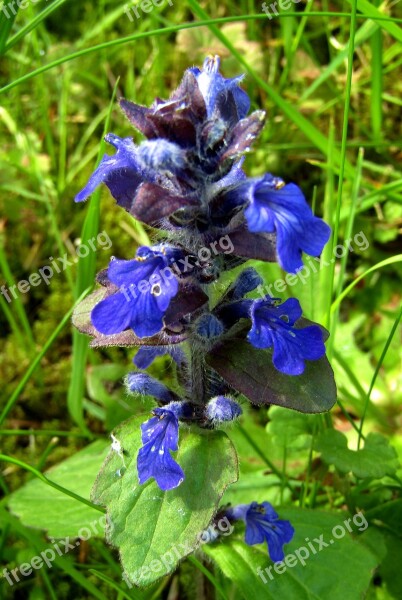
<point>85,278</point>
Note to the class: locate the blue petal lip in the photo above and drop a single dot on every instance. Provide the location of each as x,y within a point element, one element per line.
<point>112,167</point>
<point>144,295</point>
<point>273,326</point>
<point>263,524</point>
<point>273,207</point>
<point>111,315</point>
<point>160,436</point>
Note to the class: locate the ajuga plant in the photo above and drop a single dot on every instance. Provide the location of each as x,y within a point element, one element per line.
<point>164,477</point>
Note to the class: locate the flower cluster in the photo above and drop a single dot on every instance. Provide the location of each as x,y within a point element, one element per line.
<point>186,180</point>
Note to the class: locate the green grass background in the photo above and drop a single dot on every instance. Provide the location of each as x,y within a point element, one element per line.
<point>328,75</point>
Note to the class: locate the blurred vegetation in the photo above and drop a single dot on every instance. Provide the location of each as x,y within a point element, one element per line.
<point>51,127</point>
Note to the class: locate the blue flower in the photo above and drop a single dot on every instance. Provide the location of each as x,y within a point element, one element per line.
<point>147,354</point>
<point>160,436</point>
<point>221,409</point>
<point>276,207</point>
<point>146,287</point>
<point>246,282</point>
<point>271,207</point>
<point>122,173</point>
<point>209,327</point>
<point>144,384</point>
<point>215,88</point>
<point>273,325</point>
<point>133,165</point>
<point>263,524</point>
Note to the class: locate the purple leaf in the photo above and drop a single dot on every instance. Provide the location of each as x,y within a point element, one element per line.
<point>251,372</point>
<point>258,246</point>
<point>243,134</point>
<point>153,202</point>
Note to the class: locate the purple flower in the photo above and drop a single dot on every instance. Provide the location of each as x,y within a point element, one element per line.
<point>273,325</point>
<point>216,89</point>
<point>146,287</point>
<point>263,524</point>
<point>160,436</point>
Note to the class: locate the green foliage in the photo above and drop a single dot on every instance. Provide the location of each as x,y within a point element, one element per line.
<point>376,459</point>
<point>341,569</point>
<point>165,526</point>
<point>60,64</point>
<point>64,516</point>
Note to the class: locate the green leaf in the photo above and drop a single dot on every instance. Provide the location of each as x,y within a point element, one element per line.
<point>390,569</point>
<point>40,506</point>
<point>390,514</point>
<point>291,430</point>
<point>152,529</point>
<point>376,459</point>
<point>341,569</point>
<point>251,372</point>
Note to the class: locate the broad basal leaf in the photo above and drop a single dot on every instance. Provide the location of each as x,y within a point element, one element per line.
<point>335,566</point>
<point>251,372</point>
<point>41,506</point>
<point>376,459</point>
<point>154,530</point>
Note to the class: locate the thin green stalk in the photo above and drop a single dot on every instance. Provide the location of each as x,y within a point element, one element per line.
<point>51,445</point>
<point>345,126</point>
<point>15,328</point>
<point>17,302</point>
<point>209,576</point>
<point>257,449</point>
<point>35,363</point>
<point>7,18</point>
<point>85,278</point>
<point>386,23</point>
<point>347,236</point>
<point>377,370</point>
<point>51,432</point>
<point>348,417</point>
<point>32,24</point>
<point>44,479</point>
<point>327,254</point>
<point>133,595</point>
<point>346,291</point>
<point>376,81</point>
